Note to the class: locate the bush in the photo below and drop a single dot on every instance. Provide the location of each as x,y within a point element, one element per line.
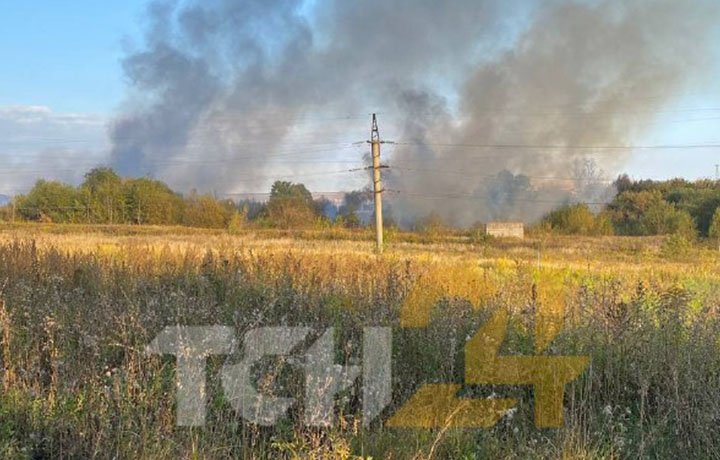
<point>5,213</point>
<point>577,220</point>
<point>237,222</point>
<point>478,235</point>
<point>205,211</point>
<point>675,246</point>
<point>431,225</point>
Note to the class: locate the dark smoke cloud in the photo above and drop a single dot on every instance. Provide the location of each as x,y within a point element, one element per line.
<point>240,81</point>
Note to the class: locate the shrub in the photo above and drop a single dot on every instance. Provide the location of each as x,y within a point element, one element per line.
<point>675,246</point>
<point>5,213</point>
<point>577,220</point>
<point>237,222</point>
<point>431,225</point>
<point>478,235</point>
<point>205,211</point>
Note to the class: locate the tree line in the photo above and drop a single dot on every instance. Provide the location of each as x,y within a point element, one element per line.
<point>646,207</point>
<point>104,197</point>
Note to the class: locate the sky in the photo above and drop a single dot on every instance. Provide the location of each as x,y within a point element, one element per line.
<point>65,54</point>
<point>61,82</point>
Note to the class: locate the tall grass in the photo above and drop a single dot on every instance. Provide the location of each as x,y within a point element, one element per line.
<point>76,382</point>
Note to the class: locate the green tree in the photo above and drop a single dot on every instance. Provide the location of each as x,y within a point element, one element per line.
<point>577,220</point>
<point>714,231</point>
<point>102,192</point>
<point>152,202</point>
<point>291,205</point>
<point>645,212</point>
<point>52,202</point>
<point>663,218</point>
<point>699,199</point>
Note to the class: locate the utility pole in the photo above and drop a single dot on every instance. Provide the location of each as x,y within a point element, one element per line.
<point>377,184</point>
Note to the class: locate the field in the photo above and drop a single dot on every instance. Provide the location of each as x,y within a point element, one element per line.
<point>79,304</point>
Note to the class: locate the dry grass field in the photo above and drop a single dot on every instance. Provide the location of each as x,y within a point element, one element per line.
<point>79,304</point>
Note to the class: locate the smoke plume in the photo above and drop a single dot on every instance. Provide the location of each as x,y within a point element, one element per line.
<point>496,105</point>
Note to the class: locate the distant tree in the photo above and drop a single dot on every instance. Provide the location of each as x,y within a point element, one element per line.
<point>254,208</point>
<point>152,202</point>
<point>699,199</point>
<point>53,202</point>
<point>714,231</point>
<point>205,211</point>
<point>645,212</point>
<point>291,205</point>
<point>664,219</point>
<point>623,183</point>
<point>102,192</point>
<point>577,220</point>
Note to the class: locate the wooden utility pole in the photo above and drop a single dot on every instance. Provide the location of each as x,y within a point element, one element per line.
<point>377,183</point>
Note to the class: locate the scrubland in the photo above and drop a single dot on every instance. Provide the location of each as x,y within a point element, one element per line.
<point>78,305</point>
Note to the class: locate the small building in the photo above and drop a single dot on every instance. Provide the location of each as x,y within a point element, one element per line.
<point>505,229</point>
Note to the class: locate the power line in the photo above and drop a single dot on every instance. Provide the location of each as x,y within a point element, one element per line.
<point>270,193</point>
<point>461,196</point>
<point>296,175</point>
<point>471,174</point>
<point>241,158</point>
<point>100,164</point>
<point>567,147</point>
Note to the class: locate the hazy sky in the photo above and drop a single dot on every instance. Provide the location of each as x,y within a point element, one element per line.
<point>61,81</point>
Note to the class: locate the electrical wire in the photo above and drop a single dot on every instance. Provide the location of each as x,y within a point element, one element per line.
<point>560,146</point>
<point>461,196</point>
<point>471,174</point>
